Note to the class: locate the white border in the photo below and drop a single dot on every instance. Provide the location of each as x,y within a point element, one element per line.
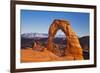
<point>20,65</point>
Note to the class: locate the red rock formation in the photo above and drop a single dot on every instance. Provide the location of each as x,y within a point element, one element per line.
<point>36,46</point>
<point>72,46</point>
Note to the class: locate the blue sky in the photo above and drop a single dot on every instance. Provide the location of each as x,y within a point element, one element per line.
<point>39,21</point>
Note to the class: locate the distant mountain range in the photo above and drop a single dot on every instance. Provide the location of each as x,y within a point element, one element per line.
<point>40,35</point>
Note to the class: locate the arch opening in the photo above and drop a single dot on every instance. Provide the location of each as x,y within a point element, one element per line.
<point>59,43</point>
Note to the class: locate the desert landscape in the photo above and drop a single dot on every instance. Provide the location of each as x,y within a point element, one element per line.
<point>42,47</point>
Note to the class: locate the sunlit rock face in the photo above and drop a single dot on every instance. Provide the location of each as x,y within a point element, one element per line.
<point>72,46</point>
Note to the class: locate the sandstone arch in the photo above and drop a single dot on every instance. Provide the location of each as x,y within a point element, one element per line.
<point>72,46</point>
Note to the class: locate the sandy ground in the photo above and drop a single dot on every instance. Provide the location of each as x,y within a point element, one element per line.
<point>29,55</point>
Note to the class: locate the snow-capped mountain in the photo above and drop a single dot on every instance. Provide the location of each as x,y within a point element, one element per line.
<point>40,35</point>
<point>33,35</point>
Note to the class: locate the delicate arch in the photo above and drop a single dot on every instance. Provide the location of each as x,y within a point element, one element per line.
<point>72,46</point>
